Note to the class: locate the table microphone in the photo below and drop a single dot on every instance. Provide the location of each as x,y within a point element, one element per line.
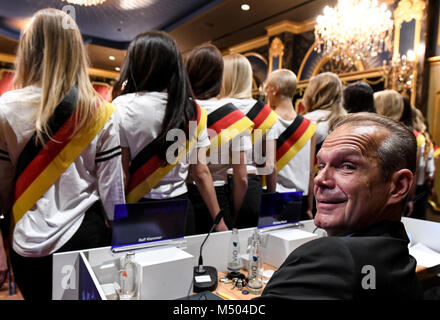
<point>205,277</point>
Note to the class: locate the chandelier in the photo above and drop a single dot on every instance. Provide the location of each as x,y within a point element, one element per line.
<point>85,2</point>
<point>353,30</point>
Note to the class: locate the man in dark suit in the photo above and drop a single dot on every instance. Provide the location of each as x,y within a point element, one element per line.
<point>366,170</point>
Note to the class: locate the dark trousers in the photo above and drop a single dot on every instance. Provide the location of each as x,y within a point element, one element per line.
<point>203,219</point>
<point>34,275</point>
<point>249,211</point>
<point>190,224</point>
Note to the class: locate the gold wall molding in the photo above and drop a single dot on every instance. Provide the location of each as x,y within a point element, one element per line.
<point>435,129</point>
<point>290,26</point>
<point>272,30</point>
<point>256,54</point>
<point>103,73</point>
<point>303,62</point>
<point>434,60</point>
<point>9,58</point>
<point>406,11</point>
<point>276,50</point>
<point>352,76</point>
<point>249,45</point>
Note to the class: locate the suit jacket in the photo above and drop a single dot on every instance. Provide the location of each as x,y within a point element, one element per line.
<point>370,264</point>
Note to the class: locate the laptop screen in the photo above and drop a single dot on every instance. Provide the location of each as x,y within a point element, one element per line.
<point>145,222</point>
<point>279,208</point>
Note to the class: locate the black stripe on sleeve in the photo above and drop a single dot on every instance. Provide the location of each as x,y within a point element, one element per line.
<point>109,157</point>
<point>99,154</point>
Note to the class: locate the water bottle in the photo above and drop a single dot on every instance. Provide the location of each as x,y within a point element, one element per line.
<point>234,260</point>
<point>255,277</point>
<point>128,278</point>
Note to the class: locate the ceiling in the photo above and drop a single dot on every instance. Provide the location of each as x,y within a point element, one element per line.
<point>108,28</point>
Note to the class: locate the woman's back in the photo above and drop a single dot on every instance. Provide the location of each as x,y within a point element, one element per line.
<point>85,181</point>
<point>140,116</point>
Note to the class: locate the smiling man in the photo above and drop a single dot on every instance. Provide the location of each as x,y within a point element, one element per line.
<point>366,170</point>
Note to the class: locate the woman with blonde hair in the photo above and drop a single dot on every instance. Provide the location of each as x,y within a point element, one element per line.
<point>60,170</point>
<point>389,103</point>
<point>323,103</point>
<point>237,89</point>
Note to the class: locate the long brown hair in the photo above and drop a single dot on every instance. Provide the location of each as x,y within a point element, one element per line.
<point>51,55</point>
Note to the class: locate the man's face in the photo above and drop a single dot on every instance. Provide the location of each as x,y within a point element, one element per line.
<point>349,190</point>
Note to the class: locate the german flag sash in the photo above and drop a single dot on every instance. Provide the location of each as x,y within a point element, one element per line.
<point>227,122</point>
<point>420,138</point>
<point>293,139</point>
<point>39,166</point>
<point>436,151</point>
<point>263,118</point>
<point>147,169</point>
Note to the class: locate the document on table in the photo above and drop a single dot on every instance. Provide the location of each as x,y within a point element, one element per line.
<point>425,256</point>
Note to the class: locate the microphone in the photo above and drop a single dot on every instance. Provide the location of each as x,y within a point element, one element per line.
<point>205,277</point>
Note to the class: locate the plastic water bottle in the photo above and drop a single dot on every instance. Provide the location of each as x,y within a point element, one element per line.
<point>255,277</point>
<point>128,278</point>
<point>234,260</point>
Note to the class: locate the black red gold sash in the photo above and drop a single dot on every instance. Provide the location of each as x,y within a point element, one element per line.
<point>436,151</point>
<point>39,166</point>
<point>147,169</point>
<point>420,138</point>
<point>293,139</point>
<point>227,122</point>
<point>263,118</point>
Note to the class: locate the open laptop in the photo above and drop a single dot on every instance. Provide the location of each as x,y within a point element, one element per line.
<point>278,210</point>
<point>138,225</point>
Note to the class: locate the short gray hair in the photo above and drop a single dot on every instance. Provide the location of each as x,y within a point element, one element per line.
<point>397,151</point>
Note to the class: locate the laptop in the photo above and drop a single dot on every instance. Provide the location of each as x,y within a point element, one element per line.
<point>144,224</point>
<point>279,209</point>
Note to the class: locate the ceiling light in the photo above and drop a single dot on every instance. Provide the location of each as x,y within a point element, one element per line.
<point>245,7</point>
<point>112,58</point>
<point>117,69</point>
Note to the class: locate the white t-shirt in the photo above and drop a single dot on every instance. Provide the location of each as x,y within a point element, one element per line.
<point>253,156</point>
<point>295,175</point>
<point>219,160</point>
<point>57,215</point>
<point>322,129</point>
<point>140,117</point>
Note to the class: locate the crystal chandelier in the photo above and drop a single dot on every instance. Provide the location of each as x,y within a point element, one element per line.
<point>85,2</point>
<point>403,68</point>
<point>353,30</point>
